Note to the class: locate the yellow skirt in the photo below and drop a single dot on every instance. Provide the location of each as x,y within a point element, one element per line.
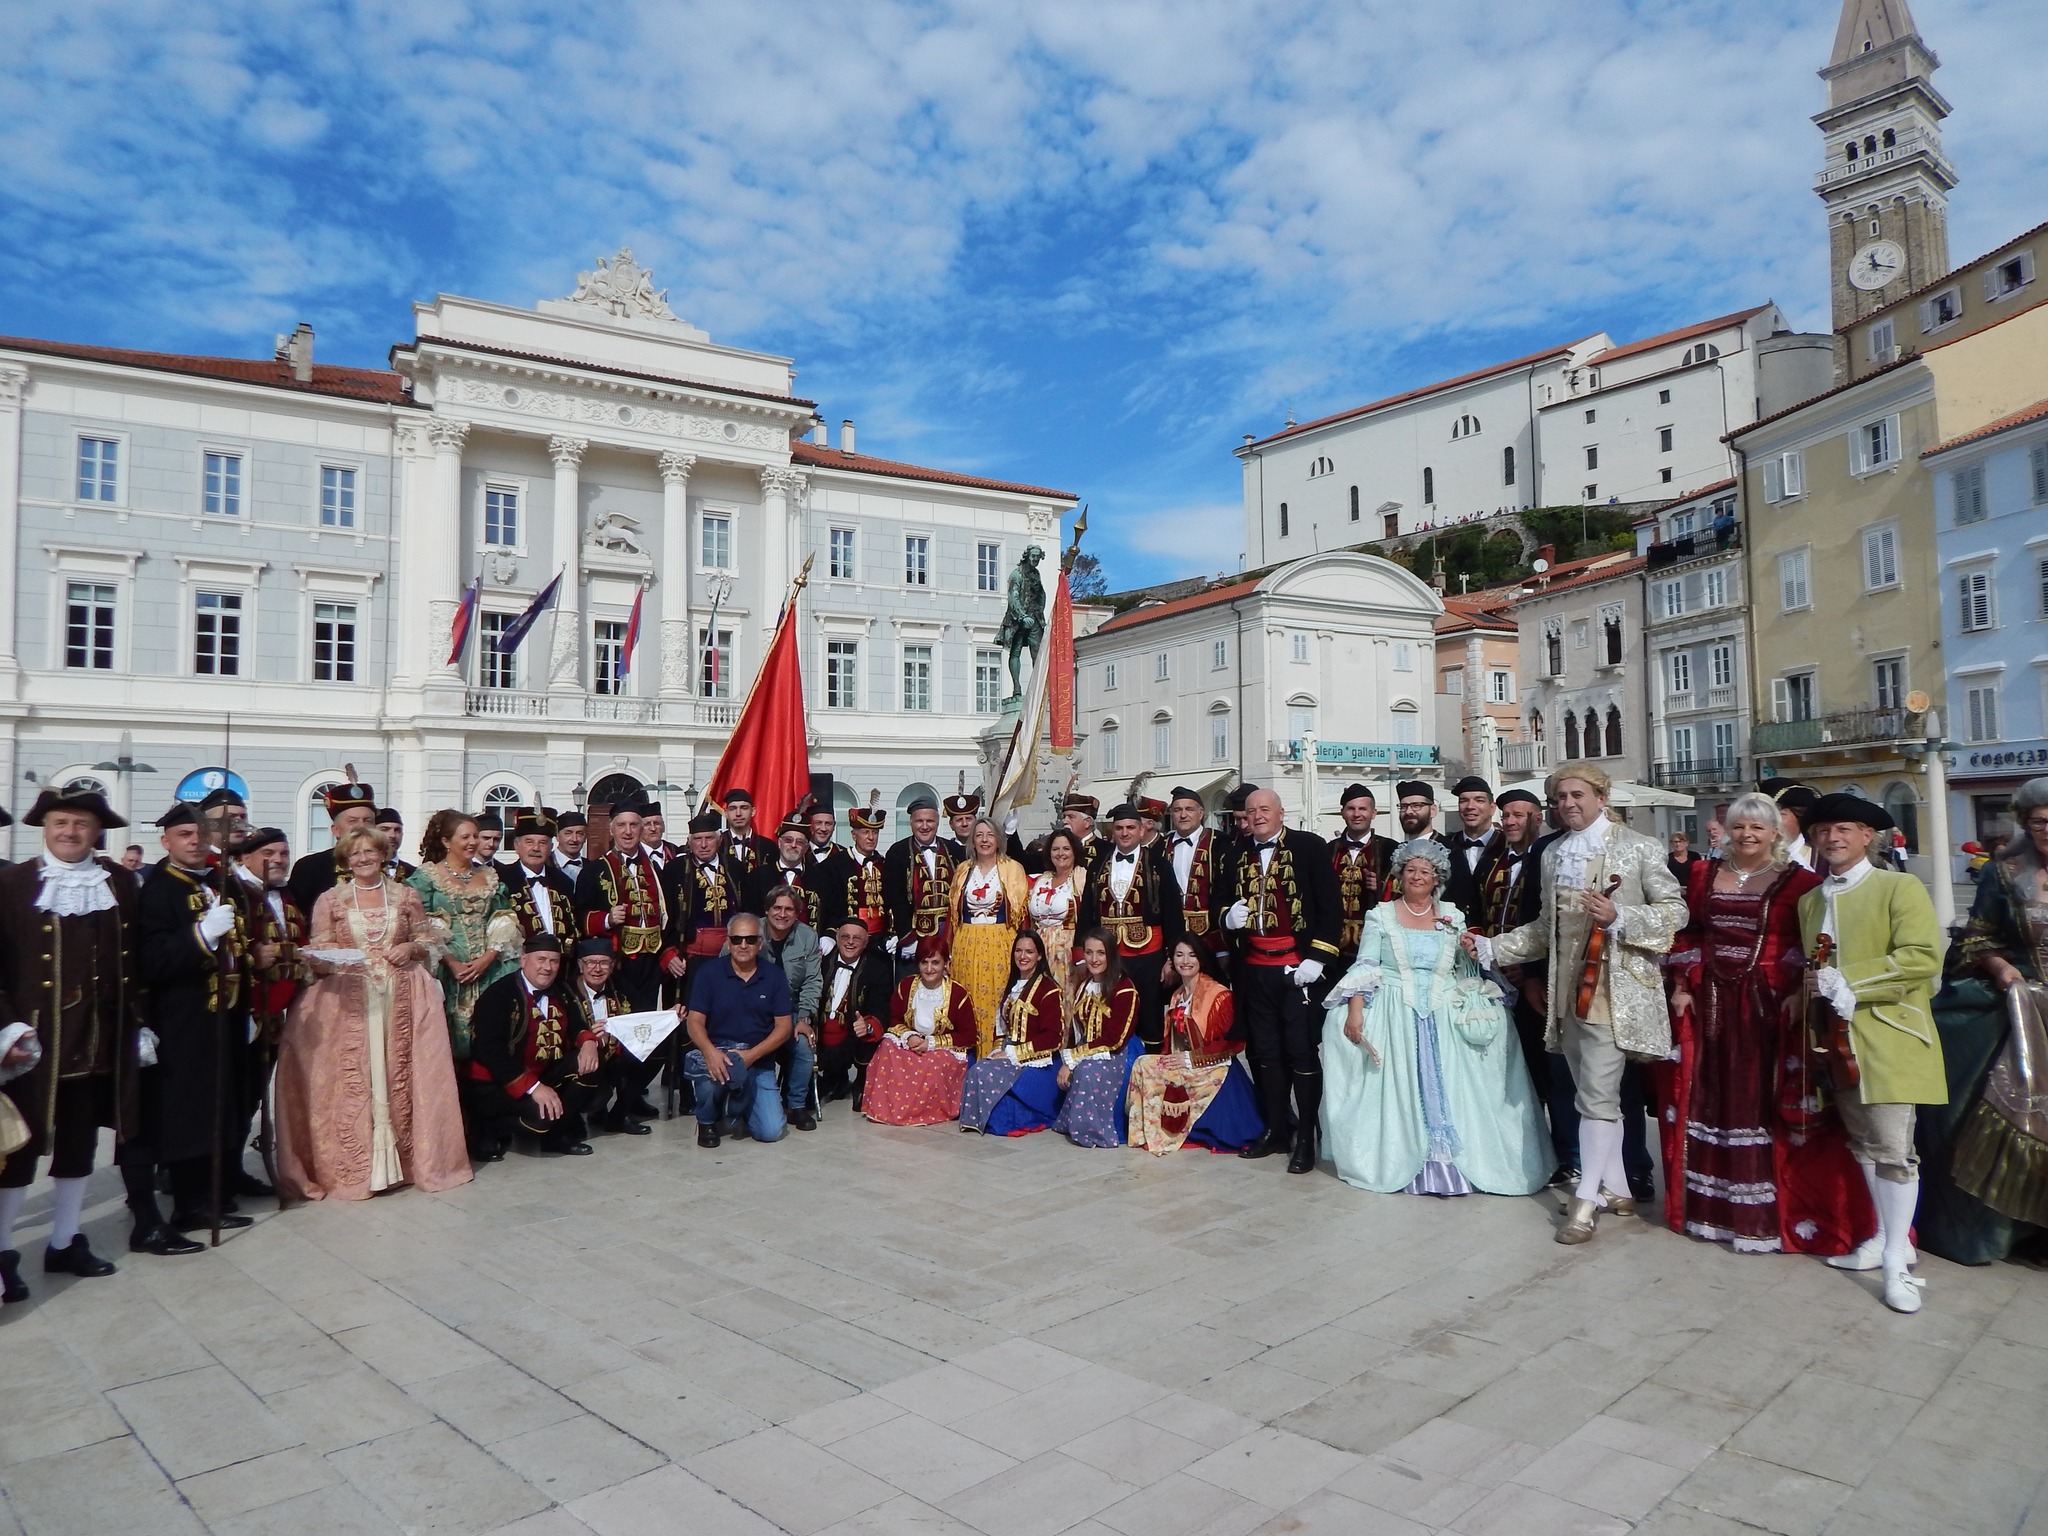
<point>981,963</point>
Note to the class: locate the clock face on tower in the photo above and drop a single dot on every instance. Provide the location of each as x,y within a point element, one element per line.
<point>1878,263</point>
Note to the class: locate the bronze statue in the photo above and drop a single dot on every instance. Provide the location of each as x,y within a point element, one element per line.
<point>1023,625</point>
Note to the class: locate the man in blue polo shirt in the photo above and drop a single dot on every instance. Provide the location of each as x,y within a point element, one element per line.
<point>738,1019</point>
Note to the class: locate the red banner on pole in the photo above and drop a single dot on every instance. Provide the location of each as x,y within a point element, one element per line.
<point>1059,662</point>
<point>768,754</point>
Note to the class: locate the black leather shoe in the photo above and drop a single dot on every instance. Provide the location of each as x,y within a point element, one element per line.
<point>572,1148</point>
<point>1266,1145</point>
<point>1304,1158</point>
<point>803,1119</point>
<point>619,1125</point>
<point>161,1241</point>
<point>75,1258</point>
<point>1643,1187</point>
<point>642,1108</point>
<point>199,1221</point>
<point>249,1184</point>
<point>707,1135</point>
<point>487,1152</point>
<point>11,1288</point>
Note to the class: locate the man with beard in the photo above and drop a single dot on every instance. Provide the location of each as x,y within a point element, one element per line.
<point>792,867</point>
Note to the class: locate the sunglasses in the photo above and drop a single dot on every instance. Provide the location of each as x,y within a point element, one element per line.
<point>743,938</point>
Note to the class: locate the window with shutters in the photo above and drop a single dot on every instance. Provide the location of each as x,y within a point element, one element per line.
<point>1501,687</point>
<point>1793,590</point>
<point>1112,755</point>
<point>2037,466</point>
<point>1880,557</point>
<point>1784,476</point>
<point>1404,656</point>
<point>1109,674</point>
<point>2009,276</point>
<point>2041,571</point>
<point>1945,308</point>
<point>1724,745</point>
<point>1888,682</point>
<point>1678,667</point>
<point>1973,605</point>
<point>1664,437</point>
<point>1792,696</point>
<point>1219,653</point>
<point>1874,445</point>
<point>1162,666</point>
<point>1969,494</point>
<point>1884,343</point>
<point>1452,682</point>
<point>1219,734</point>
<point>1721,667</point>
<point>1980,711</point>
<point>1681,746</point>
<point>1592,455</point>
<point>1162,743</point>
<point>1297,646</point>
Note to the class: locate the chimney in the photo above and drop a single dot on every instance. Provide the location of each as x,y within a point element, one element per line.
<point>821,435</point>
<point>846,435</point>
<point>1547,553</point>
<point>297,349</point>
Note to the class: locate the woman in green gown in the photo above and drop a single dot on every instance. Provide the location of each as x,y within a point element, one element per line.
<point>472,935</point>
<point>1424,1086</point>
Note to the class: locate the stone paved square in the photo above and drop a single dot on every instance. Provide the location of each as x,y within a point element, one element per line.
<point>881,1330</point>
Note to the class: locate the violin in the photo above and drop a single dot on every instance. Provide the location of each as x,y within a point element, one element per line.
<point>1827,1032</point>
<point>1596,956</point>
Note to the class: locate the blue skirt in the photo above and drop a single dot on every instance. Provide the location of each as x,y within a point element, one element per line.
<point>1232,1120</point>
<point>1001,1098</point>
<point>1093,1112</point>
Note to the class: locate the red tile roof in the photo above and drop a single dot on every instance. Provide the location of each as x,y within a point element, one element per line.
<point>2019,418</point>
<point>1416,394</point>
<point>1705,490</point>
<point>1952,275</point>
<point>1615,354</point>
<point>1586,578</point>
<point>1207,599</point>
<point>374,384</point>
<point>577,362</point>
<point>862,464</point>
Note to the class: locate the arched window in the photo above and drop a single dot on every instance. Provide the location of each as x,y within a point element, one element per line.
<point>503,794</point>
<point>1849,152</point>
<point>1870,144</point>
<point>86,781</point>
<point>1283,519</point>
<point>1592,734</point>
<point>319,838</point>
<point>1891,139</point>
<point>1354,503</point>
<point>1507,465</point>
<point>1404,721</point>
<point>614,789</point>
<point>1110,750</point>
<point>1571,734</point>
<point>1904,805</point>
<point>1613,731</point>
<point>1705,352</point>
<point>1535,725</point>
<point>1219,732</point>
<point>1464,426</point>
<point>1428,486</point>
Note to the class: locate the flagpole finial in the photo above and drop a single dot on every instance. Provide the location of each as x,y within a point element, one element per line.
<point>1074,545</point>
<point>803,577</point>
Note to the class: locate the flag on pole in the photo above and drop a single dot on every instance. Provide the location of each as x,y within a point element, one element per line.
<point>513,633</point>
<point>1047,716</point>
<point>632,636</point>
<point>768,754</point>
<point>465,620</point>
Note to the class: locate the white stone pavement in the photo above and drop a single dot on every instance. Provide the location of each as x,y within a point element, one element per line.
<point>882,1331</point>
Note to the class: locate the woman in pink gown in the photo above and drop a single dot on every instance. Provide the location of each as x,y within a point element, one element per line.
<point>365,1082</point>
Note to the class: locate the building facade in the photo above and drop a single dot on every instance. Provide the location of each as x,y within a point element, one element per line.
<point>1991,540</point>
<point>1226,685</point>
<point>1581,660</point>
<point>255,566</point>
<point>1478,688</point>
<point>1695,630</point>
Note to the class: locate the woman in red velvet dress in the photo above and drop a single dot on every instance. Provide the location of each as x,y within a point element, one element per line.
<point>1752,1157</point>
<point>921,1063</point>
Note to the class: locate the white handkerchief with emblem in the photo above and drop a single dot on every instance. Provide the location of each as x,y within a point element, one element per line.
<point>641,1033</point>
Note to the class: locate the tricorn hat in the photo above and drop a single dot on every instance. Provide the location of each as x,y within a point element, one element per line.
<point>90,801</point>
<point>1846,807</point>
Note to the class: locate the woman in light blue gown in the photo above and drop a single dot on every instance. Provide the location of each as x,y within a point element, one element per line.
<point>1424,1087</point>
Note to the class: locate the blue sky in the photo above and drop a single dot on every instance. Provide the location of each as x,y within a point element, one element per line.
<point>1077,242</point>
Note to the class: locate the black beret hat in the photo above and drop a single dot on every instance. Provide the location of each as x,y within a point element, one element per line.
<point>1414,789</point>
<point>706,821</point>
<point>1472,784</point>
<point>541,944</point>
<point>259,837</point>
<point>1357,792</point>
<point>1517,797</point>
<point>183,814</point>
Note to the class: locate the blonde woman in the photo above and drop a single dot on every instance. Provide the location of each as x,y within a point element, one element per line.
<point>991,903</point>
<point>366,1096</point>
<point>473,935</point>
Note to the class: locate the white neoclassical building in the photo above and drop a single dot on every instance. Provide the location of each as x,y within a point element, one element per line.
<point>252,567</point>
<point>1228,684</point>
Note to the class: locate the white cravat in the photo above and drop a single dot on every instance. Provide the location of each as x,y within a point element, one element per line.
<point>840,982</point>
<point>543,902</point>
<point>930,854</point>
<point>597,1005</point>
<point>73,890</point>
<point>1832,886</point>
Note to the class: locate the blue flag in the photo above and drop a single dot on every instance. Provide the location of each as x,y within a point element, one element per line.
<point>513,633</point>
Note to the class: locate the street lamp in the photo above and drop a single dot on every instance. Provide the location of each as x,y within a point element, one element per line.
<point>124,768</point>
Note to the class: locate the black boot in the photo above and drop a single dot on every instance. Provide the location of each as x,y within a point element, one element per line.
<point>1265,1146</point>
<point>1304,1158</point>
<point>150,1234</point>
<point>11,1288</point>
<point>75,1258</point>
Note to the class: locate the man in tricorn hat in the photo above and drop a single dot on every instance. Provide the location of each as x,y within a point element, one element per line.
<point>1887,950</point>
<point>69,1062</point>
<point>350,804</point>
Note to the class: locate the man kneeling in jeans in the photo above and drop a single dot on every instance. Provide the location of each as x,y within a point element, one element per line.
<point>738,1019</point>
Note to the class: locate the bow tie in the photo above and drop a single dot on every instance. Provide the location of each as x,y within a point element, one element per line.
<point>1127,858</point>
<point>1269,843</point>
<point>1184,839</point>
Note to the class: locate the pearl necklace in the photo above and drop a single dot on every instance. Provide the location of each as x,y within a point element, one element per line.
<point>1428,911</point>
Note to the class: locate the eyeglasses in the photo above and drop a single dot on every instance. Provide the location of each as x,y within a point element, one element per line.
<point>743,938</point>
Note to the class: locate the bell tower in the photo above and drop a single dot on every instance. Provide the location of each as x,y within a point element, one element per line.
<point>1885,181</point>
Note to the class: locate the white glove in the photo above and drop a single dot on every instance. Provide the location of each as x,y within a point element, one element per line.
<point>145,1046</point>
<point>1009,1054</point>
<point>1485,948</point>
<point>1834,986</point>
<point>219,919</point>
<point>1237,916</point>
<point>1010,824</point>
<point>825,943</point>
<point>907,947</point>
<point>23,1035</point>
<point>1308,973</point>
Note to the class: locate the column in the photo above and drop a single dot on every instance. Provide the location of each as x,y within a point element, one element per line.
<point>565,661</point>
<point>13,387</point>
<point>676,645</point>
<point>441,547</point>
<point>781,492</point>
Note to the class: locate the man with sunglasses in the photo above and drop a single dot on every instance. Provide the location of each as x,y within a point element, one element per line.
<point>739,1017</point>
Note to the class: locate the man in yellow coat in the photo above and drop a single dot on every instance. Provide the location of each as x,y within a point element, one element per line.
<point>1888,948</point>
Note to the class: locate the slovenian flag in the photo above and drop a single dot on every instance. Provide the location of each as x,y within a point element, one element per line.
<point>465,620</point>
<point>632,636</point>
<point>513,633</point>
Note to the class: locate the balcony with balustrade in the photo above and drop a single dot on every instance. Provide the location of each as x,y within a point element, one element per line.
<point>1702,775</point>
<point>1717,539</point>
<point>601,708</point>
<point>1846,728</point>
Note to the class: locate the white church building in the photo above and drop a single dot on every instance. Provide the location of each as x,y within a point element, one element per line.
<point>248,569</point>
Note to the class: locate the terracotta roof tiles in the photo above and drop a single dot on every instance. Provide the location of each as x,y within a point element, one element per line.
<point>1685,333</point>
<point>2019,418</point>
<point>1208,599</point>
<point>863,464</point>
<point>379,385</point>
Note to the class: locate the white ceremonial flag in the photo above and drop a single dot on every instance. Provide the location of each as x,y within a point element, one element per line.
<point>641,1033</point>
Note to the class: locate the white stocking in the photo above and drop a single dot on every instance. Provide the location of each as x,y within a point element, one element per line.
<point>1895,1206</point>
<point>67,1203</point>
<point>10,1207</point>
<point>1599,1145</point>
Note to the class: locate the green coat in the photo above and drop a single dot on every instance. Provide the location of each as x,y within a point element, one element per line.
<point>1888,948</point>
